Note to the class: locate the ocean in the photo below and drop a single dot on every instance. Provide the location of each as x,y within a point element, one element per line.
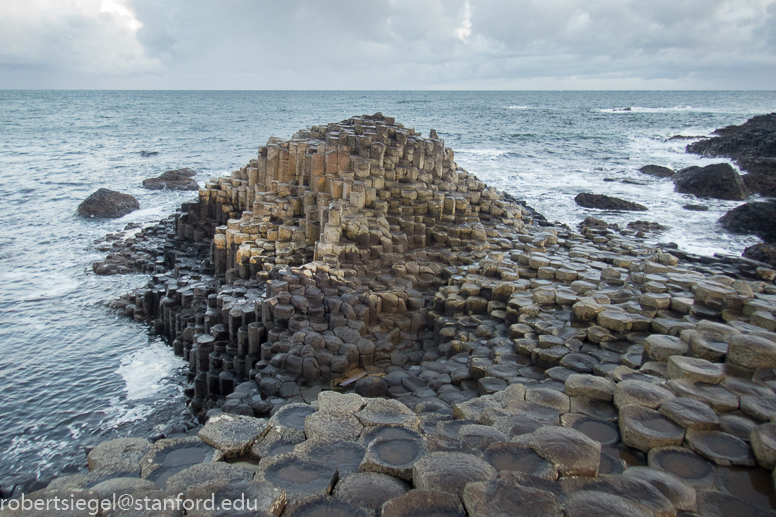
<point>73,373</point>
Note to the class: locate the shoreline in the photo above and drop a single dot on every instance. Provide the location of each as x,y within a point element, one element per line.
<point>534,297</point>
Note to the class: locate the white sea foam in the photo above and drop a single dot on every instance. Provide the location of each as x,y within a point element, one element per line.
<point>144,371</point>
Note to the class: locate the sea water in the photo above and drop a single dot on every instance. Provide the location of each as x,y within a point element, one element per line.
<point>74,373</point>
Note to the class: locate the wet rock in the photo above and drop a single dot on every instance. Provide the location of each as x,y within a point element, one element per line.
<point>696,208</point>
<point>507,497</point>
<point>755,218</point>
<point>721,448</point>
<point>119,454</point>
<point>691,414</point>
<point>322,505</point>
<point>635,490</point>
<point>646,226</point>
<point>644,429</point>
<point>332,426</point>
<point>643,393</point>
<point>682,463</point>
<point>299,477</point>
<point>233,435</point>
<point>694,369</point>
<point>292,416</point>
<point>450,471</point>
<point>432,503</point>
<point>107,203</point>
<point>388,413</point>
<point>570,451</point>
<point>657,171</point>
<point>603,202</point>
<point>597,504</point>
<point>179,179</point>
<point>372,387</point>
<point>392,456</point>
<point>714,395</point>
<point>718,181</point>
<point>369,490</point>
<point>713,503</point>
<point>762,253</point>
<point>590,386</point>
<point>345,455</point>
<point>169,456</point>
<point>519,457</point>
<point>205,473</point>
<point>660,347</point>
<point>676,490</point>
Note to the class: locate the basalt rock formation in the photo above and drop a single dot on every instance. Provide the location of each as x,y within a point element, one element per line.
<point>179,179</point>
<point>753,147</point>
<point>370,327</point>
<point>604,202</point>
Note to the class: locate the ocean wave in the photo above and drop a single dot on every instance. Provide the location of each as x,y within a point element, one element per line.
<point>518,107</point>
<point>674,109</point>
<point>147,371</point>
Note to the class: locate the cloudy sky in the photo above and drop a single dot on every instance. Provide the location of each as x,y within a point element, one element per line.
<point>388,44</point>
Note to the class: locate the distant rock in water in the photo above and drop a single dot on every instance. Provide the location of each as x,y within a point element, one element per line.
<point>718,181</point>
<point>596,224</point>
<point>657,171</point>
<point>696,208</point>
<point>762,252</point>
<point>108,203</point>
<point>757,218</point>
<point>603,202</point>
<point>146,154</point>
<point>179,179</point>
<point>753,147</point>
<point>646,226</point>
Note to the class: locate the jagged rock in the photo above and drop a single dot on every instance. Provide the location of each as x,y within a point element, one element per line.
<point>107,203</point>
<point>718,181</point>
<point>763,441</point>
<point>603,202</point>
<point>755,217</point>
<point>519,457</point>
<point>507,497</point>
<point>762,253</point>
<point>644,429</point>
<point>570,451</point>
<point>657,170</point>
<point>450,471</point>
<point>179,179</point>
<point>752,351</point>
<point>119,454</point>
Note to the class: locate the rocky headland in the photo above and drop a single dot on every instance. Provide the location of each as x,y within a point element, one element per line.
<point>371,330</point>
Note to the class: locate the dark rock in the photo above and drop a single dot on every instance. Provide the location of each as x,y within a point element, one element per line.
<point>756,137</point>
<point>696,208</point>
<point>603,202</point>
<point>429,503</point>
<point>596,224</point>
<point>754,218</point>
<point>762,253</point>
<point>179,179</point>
<point>107,203</point>
<point>718,181</point>
<point>646,226</point>
<point>372,387</point>
<point>657,171</point>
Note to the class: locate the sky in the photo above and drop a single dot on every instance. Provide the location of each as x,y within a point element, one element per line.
<point>388,44</point>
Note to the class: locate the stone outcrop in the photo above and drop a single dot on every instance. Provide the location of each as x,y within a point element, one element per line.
<point>756,217</point>
<point>762,253</point>
<point>517,361</point>
<point>753,147</point>
<point>179,179</point>
<point>603,202</point>
<point>107,203</point>
<point>718,181</point>
<point>657,171</point>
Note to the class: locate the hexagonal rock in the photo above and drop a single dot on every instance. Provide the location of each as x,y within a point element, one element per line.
<point>261,497</point>
<point>431,503</point>
<point>372,433</point>
<point>751,351</point>
<point>388,413</point>
<point>660,347</point>
<point>716,396</point>
<point>297,476</point>
<point>476,437</point>
<point>641,393</point>
<point>170,456</point>
<point>342,426</point>
<point>615,320</point>
<point>207,473</point>
<point>233,435</point>
<point>321,505</point>
<point>683,463</point>
<point>549,398</point>
<point>450,471</point>
<point>644,429</point>
<point>758,406</point>
<point>763,441</point>
<point>277,440</point>
<point>292,416</point>
<point>570,451</point>
<point>691,414</point>
<point>394,457</point>
<point>590,386</point>
<point>343,454</point>
<point>601,431</point>
<point>586,309</point>
<point>694,369</point>
<point>333,402</point>
<point>681,495</point>
<point>519,457</point>
<point>598,504</point>
<point>706,345</point>
<point>638,491</point>
<point>369,490</point>
<point>120,486</point>
<point>506,497</point>
<point>721,448</point>
<point>119,454</point>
